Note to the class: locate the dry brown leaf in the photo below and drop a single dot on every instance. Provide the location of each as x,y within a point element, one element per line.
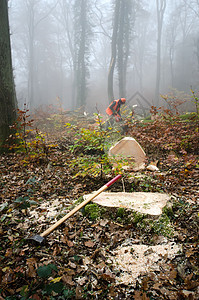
<point>157,286</point>
<point>103,223</point>
<point>89,244</point>
<point>140,296</point>
<point>57,250</point>
<point>108,276</point>
<point>68,280</point>
<point>145,283</point>
<point>69,243</point>
<point>36,297</point>
<point>173,274</point>
<point>72,265</point>
<point>78,291</point>
<point>32,266</point>
<point>69,271</point>
<point>8,252</point>
<point>82,281</point>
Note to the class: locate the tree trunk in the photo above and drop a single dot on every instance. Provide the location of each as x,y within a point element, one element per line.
<point>113,51</point>
<point>81,46</point>
<point>31,60</point>
<point>7,89</point>
<point>161,5</point>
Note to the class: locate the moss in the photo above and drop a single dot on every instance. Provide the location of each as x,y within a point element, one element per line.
<point>120,212</point>
<point>137,217</point>
<point>163,226</point>
<point>79,200</point>
<point>168,210</point>
<point>92,211</point>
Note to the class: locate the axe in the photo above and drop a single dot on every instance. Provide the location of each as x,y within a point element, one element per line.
<point>40,238</point>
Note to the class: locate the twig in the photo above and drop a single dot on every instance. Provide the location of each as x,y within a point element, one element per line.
<point>123,185</point>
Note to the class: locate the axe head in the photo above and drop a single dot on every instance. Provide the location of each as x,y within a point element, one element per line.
<point>37,238</point>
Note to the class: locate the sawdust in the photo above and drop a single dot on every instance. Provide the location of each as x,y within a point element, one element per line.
<point>132,261</point>
<point>50,209</point>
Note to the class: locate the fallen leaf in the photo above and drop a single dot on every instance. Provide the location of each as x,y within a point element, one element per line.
<point>72,265</point>
<point>68,280</point>
<point>78,292</point>
<point>108,276</point>
<point>70,272</point>
<point>69,243</point>
<point>57,279</point>
<point>8,252</point>
<point>82,281</point>
<point>32,266</point>
<point>140,296</point>
<point>89,244</point>
<point>57,250</point>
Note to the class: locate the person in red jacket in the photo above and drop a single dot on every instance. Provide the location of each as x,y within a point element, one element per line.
<point>113,110</point>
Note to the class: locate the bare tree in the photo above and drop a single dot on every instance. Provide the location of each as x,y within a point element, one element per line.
<point>141,44</point>
<point>113,50</point>
<point>34,19</point>
<point>160,7</point>
<point>120,45</point>
<point>7,89</point>
<point>171,34</point>
<point>126,24</point>
<point>31,47</point>
<point>81,46</point>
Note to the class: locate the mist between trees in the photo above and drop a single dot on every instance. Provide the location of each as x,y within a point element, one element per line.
<point>87,52</point>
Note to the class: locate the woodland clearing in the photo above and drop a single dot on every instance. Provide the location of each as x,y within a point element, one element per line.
<point>57,159</point>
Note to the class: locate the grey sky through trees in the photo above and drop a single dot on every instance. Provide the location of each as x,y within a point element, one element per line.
<point>43,45</point>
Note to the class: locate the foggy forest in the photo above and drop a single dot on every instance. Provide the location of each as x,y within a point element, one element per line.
<point>99,149</point>
<point>62,52</point>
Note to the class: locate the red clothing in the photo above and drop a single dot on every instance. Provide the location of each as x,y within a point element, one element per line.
<point>114,107</point>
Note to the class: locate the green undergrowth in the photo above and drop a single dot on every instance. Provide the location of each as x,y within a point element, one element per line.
<point>90,150</point>
<point>146,224</point>
<point>47,283</point>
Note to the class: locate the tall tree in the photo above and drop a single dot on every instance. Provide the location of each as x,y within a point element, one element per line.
<point>141,45</point>
<point>160,7</point>
<point>126,24</point>
<point>31,47</point>
<point>7,89</point>
<point>81,46</point>
<point>120,45</point>
<point>113,50</point>
<point>171,35</point>
<point>34,20</point>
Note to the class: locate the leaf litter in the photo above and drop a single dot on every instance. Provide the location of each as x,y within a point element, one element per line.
<point>93,256</point>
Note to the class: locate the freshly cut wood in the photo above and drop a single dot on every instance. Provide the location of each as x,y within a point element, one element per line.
<point>143,202</point>
<point>129,149</point>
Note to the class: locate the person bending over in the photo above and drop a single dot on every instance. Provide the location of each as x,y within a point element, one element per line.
<point>113,110</point>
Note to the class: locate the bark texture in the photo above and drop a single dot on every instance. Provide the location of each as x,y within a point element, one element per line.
<point>7,89</point>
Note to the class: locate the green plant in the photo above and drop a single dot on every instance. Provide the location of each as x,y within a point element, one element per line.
<point>137,217</point>
<point>196,101</point>
<point>26,140</point>
<point>120,212</point>
<point>22,128</point>
<point>90,151</point>
<point>92,211</point>
<point>24,202</point>
<point>162,226</point>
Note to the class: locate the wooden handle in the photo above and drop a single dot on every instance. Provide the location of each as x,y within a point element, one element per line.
<point>78,207</point>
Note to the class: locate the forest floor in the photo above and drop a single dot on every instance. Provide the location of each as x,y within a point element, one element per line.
<point>77,259</point>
